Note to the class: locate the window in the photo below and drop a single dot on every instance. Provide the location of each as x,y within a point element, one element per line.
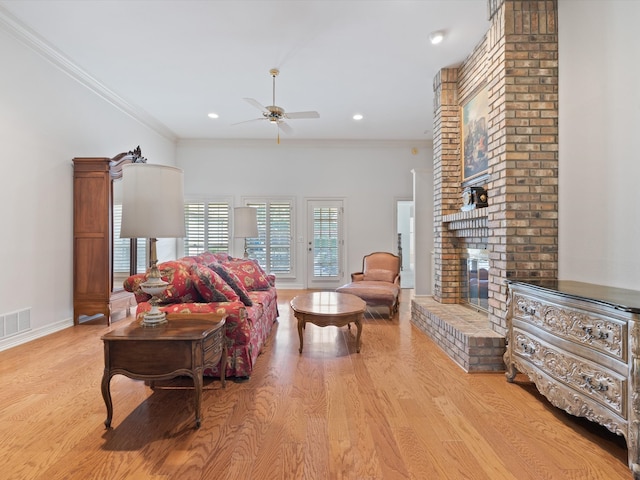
<point>273,249</point>
<point>141,255</point>
<point>121,246</point>
<point>207,226</point>
<point>122,250</point>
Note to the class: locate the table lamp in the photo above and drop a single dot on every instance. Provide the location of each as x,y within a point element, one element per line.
<point>245,224</point>
<point>152,207</point>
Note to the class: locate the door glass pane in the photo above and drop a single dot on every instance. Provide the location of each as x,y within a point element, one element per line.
<point>326,248</point>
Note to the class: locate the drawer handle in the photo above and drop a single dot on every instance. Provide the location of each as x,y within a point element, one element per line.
<point>598,388</point>
<point>602,335</point>
<point>529,310</point>
<point>527,348</point>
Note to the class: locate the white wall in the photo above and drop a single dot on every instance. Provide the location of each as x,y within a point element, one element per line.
<point>423,192</point>
<point>599,169</point>
<point>368,176</point>
<point>46,119</point>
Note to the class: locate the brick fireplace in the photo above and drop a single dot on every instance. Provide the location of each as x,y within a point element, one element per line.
<point>517,61</point>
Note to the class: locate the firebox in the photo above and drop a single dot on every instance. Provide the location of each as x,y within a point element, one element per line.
<point>474,278</point>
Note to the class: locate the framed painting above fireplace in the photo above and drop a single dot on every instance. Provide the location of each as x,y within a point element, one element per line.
<point>474,115</point>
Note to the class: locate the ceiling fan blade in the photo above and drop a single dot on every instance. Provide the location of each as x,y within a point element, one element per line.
<point>256,104</point>
<point>285,127</point>
<point>248,121</point>
<point>296,115</point>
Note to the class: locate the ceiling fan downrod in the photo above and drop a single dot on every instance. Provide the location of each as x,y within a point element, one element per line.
<point>274,73</point>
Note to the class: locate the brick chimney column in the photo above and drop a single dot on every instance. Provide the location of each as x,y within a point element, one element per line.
<point>517,60</point>
<point>446,173</point>
<point>522,73</point>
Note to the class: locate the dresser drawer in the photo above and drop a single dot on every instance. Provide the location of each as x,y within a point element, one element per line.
<point>584,377</point>
<point>600,333</point>
<point>213,345</point>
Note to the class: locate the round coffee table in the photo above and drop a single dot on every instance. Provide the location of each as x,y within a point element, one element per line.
<point>328,308</point>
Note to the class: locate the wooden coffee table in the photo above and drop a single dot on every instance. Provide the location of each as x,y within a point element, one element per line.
<point>183,346</point>
<point>328,308</point>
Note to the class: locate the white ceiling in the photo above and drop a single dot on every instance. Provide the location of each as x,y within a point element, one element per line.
<point>174,61</point>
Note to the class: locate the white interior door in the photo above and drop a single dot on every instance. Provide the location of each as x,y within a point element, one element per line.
<point>325,244</point>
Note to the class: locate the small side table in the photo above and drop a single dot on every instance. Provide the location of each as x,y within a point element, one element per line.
<point>182,346</point>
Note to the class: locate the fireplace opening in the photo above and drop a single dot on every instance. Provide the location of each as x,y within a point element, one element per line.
<point>474,281</point>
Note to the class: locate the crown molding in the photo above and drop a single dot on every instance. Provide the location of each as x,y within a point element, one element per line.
<point>31,39</point>
<point>305,143</point>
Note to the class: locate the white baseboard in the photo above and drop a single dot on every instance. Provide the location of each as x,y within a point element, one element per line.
<point>289,285</point>
<point>30,335</point>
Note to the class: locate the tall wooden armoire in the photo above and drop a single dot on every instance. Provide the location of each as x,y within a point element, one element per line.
<point>93,285</point>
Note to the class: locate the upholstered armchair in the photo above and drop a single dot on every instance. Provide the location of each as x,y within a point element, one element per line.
<point>379,281</point>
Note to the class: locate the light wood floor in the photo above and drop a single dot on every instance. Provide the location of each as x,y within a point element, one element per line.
<point>399,409</point>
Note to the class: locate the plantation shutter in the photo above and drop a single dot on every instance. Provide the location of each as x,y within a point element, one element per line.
<point>195,228</point>
<point>121,246</point>
<point>280,238</point>
<point>326,237</point>
<point>273,247</point>
<point>207,227</point>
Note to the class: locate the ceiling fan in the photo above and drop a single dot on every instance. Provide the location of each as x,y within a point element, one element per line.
<point>275,114</point>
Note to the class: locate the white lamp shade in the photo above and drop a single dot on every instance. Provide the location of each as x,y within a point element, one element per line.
<point>245,222</point>
<point>152,201</point>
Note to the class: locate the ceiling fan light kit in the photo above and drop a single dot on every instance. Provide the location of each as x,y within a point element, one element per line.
<point>275,114</point>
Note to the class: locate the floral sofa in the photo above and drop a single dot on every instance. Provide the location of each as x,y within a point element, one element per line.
<point>217,283</point>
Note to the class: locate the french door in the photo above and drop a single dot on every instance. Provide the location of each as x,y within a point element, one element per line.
<point>325,244</point>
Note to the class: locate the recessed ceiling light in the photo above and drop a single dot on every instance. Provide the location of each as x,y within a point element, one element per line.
<point>213,115</point>
<point>358,116</point>
<point>436,37</point>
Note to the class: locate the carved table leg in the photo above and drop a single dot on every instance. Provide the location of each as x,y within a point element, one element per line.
<point>300,328</point>
<point>106,394</point>
<point>358,323</point>
<point>197,383</point>
<point>223,364</point>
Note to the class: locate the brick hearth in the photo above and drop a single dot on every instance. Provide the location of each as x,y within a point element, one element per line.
<point>464,334</point>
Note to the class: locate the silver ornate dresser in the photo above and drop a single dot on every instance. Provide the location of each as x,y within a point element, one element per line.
<point>580,344</point>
